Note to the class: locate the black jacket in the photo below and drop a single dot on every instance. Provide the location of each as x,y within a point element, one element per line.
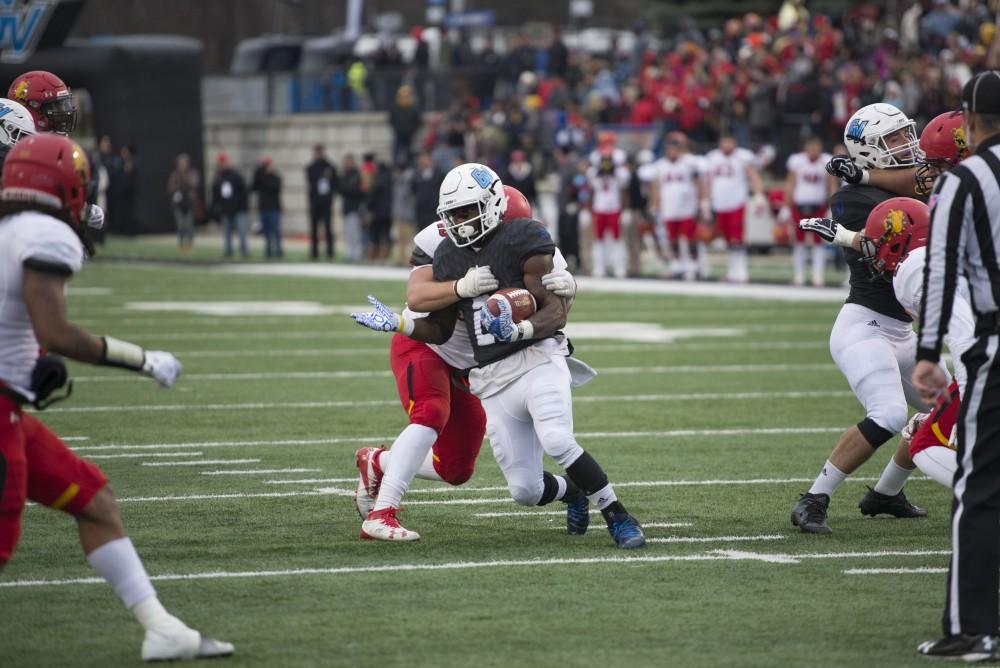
<point>427,187</point>
<point>380,194</point>
<point>316,171</point>
<point>267,185</point>
<point>229,193</point>
<point>350,190</point>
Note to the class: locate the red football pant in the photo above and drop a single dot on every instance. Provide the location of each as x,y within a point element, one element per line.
<point>681,228</point>
<point>936,429</point>
<point>730,224</point>
<point>435,396</point>
<point>607,222</point>
<point>798,214</point>
<point>36,465</point>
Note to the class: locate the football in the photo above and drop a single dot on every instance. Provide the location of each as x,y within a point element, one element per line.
<point>522,303</point>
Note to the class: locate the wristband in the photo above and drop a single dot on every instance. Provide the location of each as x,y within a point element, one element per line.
<point>525,330</point>
<point>864,177</point>
<point>844,237</point>
<point>406,326</point>
<point>122,354</point>
<point>455,286</point>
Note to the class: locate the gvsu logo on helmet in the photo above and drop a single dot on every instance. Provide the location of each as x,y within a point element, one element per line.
<point>856,129</point>
<point>21,26</point>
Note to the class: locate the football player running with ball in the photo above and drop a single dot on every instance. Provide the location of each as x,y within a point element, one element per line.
<point>872,341</point>
<point>525,372</point>
<point>447,422</point>
<point>42,246</point>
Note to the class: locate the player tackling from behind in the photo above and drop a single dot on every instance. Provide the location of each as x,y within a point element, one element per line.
<point>42,246</point>
<point>525,372</point>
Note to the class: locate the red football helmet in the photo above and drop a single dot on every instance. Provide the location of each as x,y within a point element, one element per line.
<point>47,98</point>
<point>517,205</point>
<point>894,228</point>
<point>50,170</point>
<point>944,146</point>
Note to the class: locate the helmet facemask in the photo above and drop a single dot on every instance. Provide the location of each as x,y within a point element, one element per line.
<point>60,114</point>
<point>465,224</point>
<point>927,174</point>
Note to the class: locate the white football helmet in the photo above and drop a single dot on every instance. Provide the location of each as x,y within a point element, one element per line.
<point>865,136</point>
<point>471,185</point>
<point>15,122</point>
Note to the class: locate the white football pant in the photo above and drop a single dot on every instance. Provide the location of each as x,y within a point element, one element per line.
<point>531,416</point>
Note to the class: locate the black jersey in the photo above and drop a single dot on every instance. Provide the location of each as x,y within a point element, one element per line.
<point>850,207</point>
<point>505,251</point>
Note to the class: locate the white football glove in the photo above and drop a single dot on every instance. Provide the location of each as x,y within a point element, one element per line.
<point>380,319</point>
<point>94,216</point>
<point>477,280</point>
<point>560,282</point>
<point>162,367</point>
<point>913,426</point>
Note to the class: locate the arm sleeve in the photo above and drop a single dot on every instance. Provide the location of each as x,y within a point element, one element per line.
<point>948,222</point>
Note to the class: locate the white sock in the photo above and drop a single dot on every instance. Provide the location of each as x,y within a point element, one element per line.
<point>603,497</point>
<point>893,478</point>
<point>597,257</point>
<point>744,256</point>
<point>828,481</point>
<point>684,257</point>
<point>117,562</point>
<point>425,472</point>
<point>703,268</point>
<point>799,263</point>
<point>819,265</point>
<point>620,261</point>
<point>733,265</point>
<point>408,452</point>
<point>152,615</point>
<point>561,489</point>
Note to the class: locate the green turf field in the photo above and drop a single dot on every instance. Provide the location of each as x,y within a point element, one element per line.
<point>236,486</point>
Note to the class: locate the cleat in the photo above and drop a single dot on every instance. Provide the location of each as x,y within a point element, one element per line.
<point>369,479</point>
<point>383,525</point>
<point>626,532</point>
<point>873,504</point>
<point>809,514</point>
<point>962,647</point>
<point>180,643</point>
<point>577,516</point>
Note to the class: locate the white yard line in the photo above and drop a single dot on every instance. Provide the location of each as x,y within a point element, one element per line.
<point>203,462</point>
<point>347,403</point>
<point>69,439</point>
<point>772,431</point>
<point>715,539</point>
<point>143,455</point>
<point>448,489</point>
<point>895,571</point>
<point>791,558</point>
<point>257,471</point>
<point>328,375</point>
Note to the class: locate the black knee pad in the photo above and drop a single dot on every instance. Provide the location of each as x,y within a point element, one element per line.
<point>874,434</point>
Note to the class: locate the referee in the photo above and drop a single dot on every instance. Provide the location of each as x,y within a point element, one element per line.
<point>964,240</point>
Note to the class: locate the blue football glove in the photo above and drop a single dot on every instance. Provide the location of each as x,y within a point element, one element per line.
<point>381,319</point>
<point>501,326</point>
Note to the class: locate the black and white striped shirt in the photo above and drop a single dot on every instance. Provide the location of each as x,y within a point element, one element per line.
<point>964,238</point>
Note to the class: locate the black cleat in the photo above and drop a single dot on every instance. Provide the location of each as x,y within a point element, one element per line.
<point>874,504</point>
<point>809,514</point>
<point>963,647</point>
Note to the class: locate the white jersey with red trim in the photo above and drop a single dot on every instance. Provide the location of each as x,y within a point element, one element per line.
<point>43,243</point>
<point>457,351</point>
<point>908,284</point>
<point>678,184</point>
<point>730,186</point>
<point>810,179</point>
<point>606,189</point>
